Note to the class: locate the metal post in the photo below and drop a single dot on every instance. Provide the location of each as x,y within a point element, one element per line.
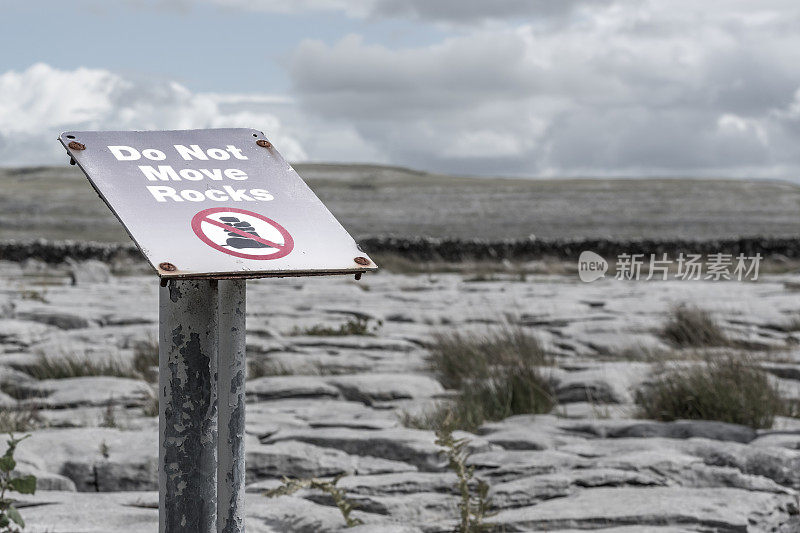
<point>188,348</point>
<point>232,374</point>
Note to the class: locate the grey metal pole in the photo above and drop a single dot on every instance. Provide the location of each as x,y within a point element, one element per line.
<point>231,378</point>
<point>188,348</point>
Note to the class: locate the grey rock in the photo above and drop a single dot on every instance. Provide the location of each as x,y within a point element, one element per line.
<point>354,343</point>
<point>296,515</point>
<point>382,528</point>
<point>97,459</point>
<point>59,318</point>
<point>412,446</point>
<point>686,429</point>
<point>719,509</point>
<point>86,391</point>
<point>128,512</point>
<point>302,460</point>
<point>265,418</point>
<point>400,483</point>
<point>601,383</point>
<point>715,509</point>
<point>778,464</point>
<point>46,480</point>
<point>503,465</point>
<point>273,387</point>
<point>531,490</point>
<point>89,271</point>
<point>696,462</point>
<point>418,508</point>
<point>22,332</point>
<point>788,439</point>
<point>369,388</point>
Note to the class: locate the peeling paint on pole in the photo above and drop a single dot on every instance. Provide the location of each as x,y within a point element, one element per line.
<point>232,373</point>
<point>188,348</point>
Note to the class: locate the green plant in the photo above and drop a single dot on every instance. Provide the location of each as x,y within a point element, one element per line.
<point>497,375</point>
<point>357,325</point>
<point>691,326</point>
<point>474,504</point>
<point>726,387</point>
<point>10,519</point>
<point>290,486</point>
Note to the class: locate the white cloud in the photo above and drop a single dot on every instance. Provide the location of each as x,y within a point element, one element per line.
<point>40,102</point>
<point>639,87</point>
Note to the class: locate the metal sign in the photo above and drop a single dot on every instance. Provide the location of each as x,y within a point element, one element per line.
<point>218,203</point>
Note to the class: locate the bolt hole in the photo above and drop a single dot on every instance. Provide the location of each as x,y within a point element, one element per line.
<point>70,136</point>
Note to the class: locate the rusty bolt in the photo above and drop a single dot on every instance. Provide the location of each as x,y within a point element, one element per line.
<point>167,267</point>
<point>75,145</point>
<point>264,144</point>
<point>361,260</point>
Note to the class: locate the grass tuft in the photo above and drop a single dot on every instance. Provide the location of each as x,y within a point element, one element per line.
<point>693,327</point>
<point>19,420</point>
<point>151,407</point>
<point>145,360</point>
<point>260,368</point>
<point>74,366</point>
<point>457,358</point>
<point>726,388</point>
<point>497,375</point>
<point>357,325</point>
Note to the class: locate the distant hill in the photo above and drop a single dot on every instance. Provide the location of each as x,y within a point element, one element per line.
<point>58,203</point>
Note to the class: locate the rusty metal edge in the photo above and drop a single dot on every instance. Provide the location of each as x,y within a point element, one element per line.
<point>256,275</point>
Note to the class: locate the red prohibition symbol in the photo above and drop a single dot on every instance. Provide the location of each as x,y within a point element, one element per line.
<point>242,233</point>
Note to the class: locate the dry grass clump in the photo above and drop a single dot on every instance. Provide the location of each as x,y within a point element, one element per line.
<point>727,388</point>
<point>692,327</point>
<point>497,375</point>
<point>259,368</point>
<point>145,360</point>
<point>357,325</point>
<point>19,420</point>
<point>456,357</point>
<point>143,366</point>
<point>73,366</point>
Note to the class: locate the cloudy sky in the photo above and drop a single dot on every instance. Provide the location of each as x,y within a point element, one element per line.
<point>487,87</point>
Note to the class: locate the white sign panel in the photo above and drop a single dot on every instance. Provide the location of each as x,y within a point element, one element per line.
<point>214,203</point>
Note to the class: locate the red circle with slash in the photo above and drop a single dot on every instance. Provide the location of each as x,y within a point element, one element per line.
<point>237,232</point>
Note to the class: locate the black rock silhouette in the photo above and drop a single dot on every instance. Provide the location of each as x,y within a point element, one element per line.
<point>235,240</point>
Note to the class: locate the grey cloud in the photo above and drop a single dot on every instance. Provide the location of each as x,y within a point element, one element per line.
<point>461,12</point>
<point>478,10</point>
<point>679,89</point>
